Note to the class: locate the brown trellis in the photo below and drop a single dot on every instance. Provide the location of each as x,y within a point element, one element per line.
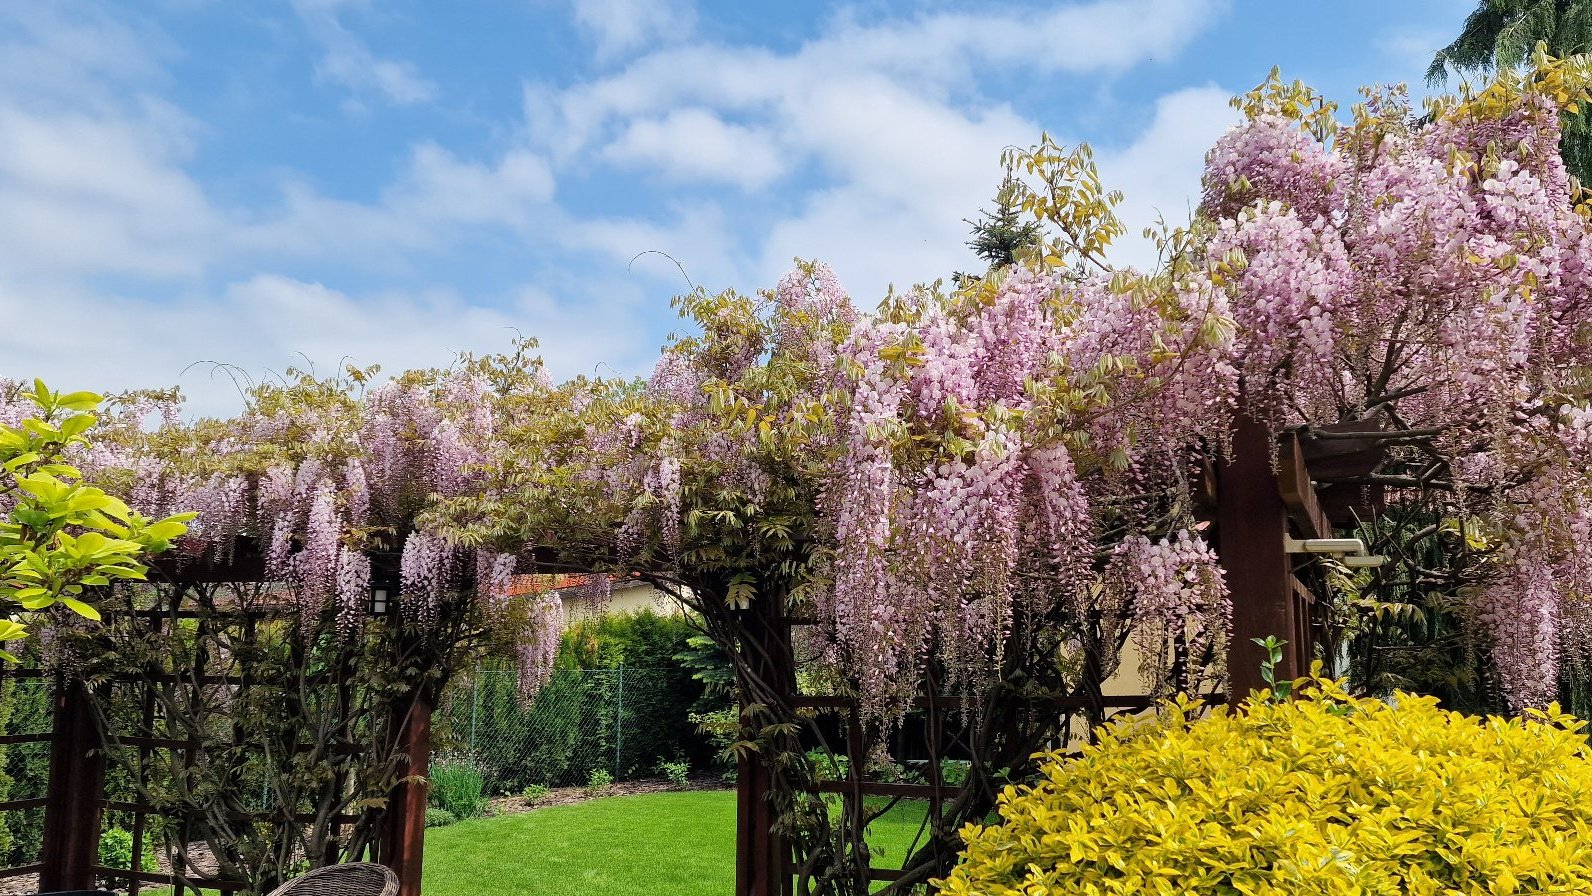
<point>1268,490</point>
<point>77,797</point>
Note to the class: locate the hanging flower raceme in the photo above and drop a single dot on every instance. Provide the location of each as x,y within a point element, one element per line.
<point>353,591</point>
<point>1293,277</point>
<point>878,628</point>
<point>320,475</point>
<point>1066,522</point>
<point>812,311</point>
<point>960,514</point>
<point>426,571</point>
<point>1271,157</point>
<point>537,648</point>
<point>1180,606</point>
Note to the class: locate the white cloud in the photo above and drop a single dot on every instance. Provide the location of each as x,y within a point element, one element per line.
<point>65,52</point>
<point>441,186</point>
<point>694,144</point>
<point>915,170</point>
<point>1159,172</point>
<point>1412,47</point>
<point>1104,35</point>
<point>619,26</point>
<point>887,115</point>
<point>429,208</point>
<point>269,321</point>
<point>696,236</point>
<point>933,54</point>
<point>907,171</point>
<point>347,61</point>
<point>83,194</point>
<point>883,121</point>
<point>92,177</point>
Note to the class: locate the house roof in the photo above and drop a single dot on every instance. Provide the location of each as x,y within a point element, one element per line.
<point>522,585</point>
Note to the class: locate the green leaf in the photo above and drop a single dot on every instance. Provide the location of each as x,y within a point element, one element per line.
<point>124,572</point>
<point>77,424</point>
<point>90,499</point>
<point>79,401</point>
<point>22,460</point>
<point>82,609</point>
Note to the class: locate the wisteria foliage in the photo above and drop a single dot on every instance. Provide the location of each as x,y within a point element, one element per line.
<point>945,475</point>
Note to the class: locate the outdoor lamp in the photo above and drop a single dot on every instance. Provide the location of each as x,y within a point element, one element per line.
<point>378,600</point>
<point>1350,550</point>
<point>1366,562</point>
<point>1324,546</point>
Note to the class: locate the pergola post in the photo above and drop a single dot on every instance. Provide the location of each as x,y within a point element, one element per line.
<point>762,857</point>
<point>1251,523</point>
<point>404,830</point>
<point>70,850</point>
<point>754,818</point>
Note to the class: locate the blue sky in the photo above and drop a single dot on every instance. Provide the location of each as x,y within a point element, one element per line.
<point>391,182</point>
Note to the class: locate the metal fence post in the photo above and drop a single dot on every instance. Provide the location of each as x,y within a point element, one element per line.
<point>619,721</point>
<point>475,707</point>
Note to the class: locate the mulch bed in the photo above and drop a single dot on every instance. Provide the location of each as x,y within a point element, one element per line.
<point>569,796</point>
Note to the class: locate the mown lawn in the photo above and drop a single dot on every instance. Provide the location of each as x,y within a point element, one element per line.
<point>659,844</point>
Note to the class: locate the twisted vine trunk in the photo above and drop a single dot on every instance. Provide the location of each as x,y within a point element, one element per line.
<point>792,841</point>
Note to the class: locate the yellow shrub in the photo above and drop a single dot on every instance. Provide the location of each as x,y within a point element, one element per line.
<point>1325,795</point>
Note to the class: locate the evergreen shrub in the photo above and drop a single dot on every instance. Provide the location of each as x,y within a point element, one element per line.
<point>1327,795</point>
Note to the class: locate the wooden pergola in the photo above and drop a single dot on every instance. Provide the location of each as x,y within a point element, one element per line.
<point>1298,486</point>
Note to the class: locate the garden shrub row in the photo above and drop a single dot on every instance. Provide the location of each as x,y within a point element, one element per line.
<point>620,702</point>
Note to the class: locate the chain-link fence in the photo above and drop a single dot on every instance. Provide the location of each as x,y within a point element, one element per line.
<point>619,722</point>
<point>25,712</point>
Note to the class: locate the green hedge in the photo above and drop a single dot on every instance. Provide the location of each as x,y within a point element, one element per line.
<point>619,701</point>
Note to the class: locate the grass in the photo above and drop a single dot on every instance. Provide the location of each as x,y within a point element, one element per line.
<point>660,844</point>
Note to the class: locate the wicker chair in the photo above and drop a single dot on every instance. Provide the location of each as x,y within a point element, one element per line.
<point>352,879</point>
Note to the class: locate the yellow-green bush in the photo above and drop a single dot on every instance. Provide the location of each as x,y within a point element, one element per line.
<point>1327,795</point>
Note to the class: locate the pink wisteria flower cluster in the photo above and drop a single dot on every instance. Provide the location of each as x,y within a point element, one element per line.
<point>989,439</point>
<point>324,477</point>
<point>1434,280</point>
<point>1178,594</point>
<point>1021,445</point>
